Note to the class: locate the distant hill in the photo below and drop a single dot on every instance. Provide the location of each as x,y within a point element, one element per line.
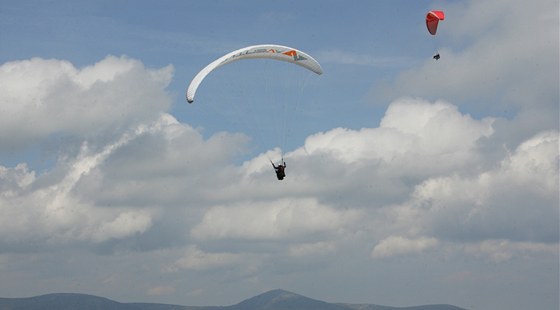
<point>77,302</point>
<point>272,300</point>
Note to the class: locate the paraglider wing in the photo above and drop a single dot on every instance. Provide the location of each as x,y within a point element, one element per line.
<point>432,20</point>
<point>271,51</point>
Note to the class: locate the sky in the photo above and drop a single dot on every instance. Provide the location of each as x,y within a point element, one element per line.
<point>409,181</point>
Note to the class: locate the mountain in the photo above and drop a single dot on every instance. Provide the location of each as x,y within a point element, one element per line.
<point>67,301</point>
<point>283,300</point>
<point>272,300</point>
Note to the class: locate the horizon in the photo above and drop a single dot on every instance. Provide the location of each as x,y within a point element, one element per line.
<point>275,294</point>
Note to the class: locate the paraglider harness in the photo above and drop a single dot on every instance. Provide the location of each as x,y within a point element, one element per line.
<point>280,174</point>
<point>436,56</point>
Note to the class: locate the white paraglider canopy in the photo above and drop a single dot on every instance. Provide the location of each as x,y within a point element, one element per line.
<point>269,51</point>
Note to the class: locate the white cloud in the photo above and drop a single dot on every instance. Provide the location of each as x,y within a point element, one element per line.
<point>504,60</point>
<point>534,163</point>
<point>173,166</point>
<point>122,226</point>
<point>39,209</point>
<point>197,259</point>
<point>117,94</point>
<point>315,248</point>
<point>14,179</point>
<point>43,97</point>
<point>280,219</point>
<point>498,251</point>
<point>422,173</point>
<point>398,245</point>
<point>100,194</point>
<point>415,136</point>
<point>517,200</point>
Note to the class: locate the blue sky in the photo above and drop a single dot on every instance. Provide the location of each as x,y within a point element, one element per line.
<point>190,34</point>
<point>409,181</point>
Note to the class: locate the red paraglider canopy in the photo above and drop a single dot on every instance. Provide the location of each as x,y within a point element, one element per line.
<point>432,20</point>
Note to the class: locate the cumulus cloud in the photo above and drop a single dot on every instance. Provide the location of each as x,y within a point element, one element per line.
<point>103,107</point>
<point>497,251</point>
<point>305,249</point>
<point>419,183</point>
<point>418,178</point>
<point>100,194</point>
<point>197,259</point>
<point>398,245</point>
<point>45,97</point>
<point>47,210</point>
<point>502,61</point>
<point>15,178</point>
<point>516,201</point>
<point>409,127</point>
<point>286,218</point>
<point>173,166</point>
<point>432,151</point>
